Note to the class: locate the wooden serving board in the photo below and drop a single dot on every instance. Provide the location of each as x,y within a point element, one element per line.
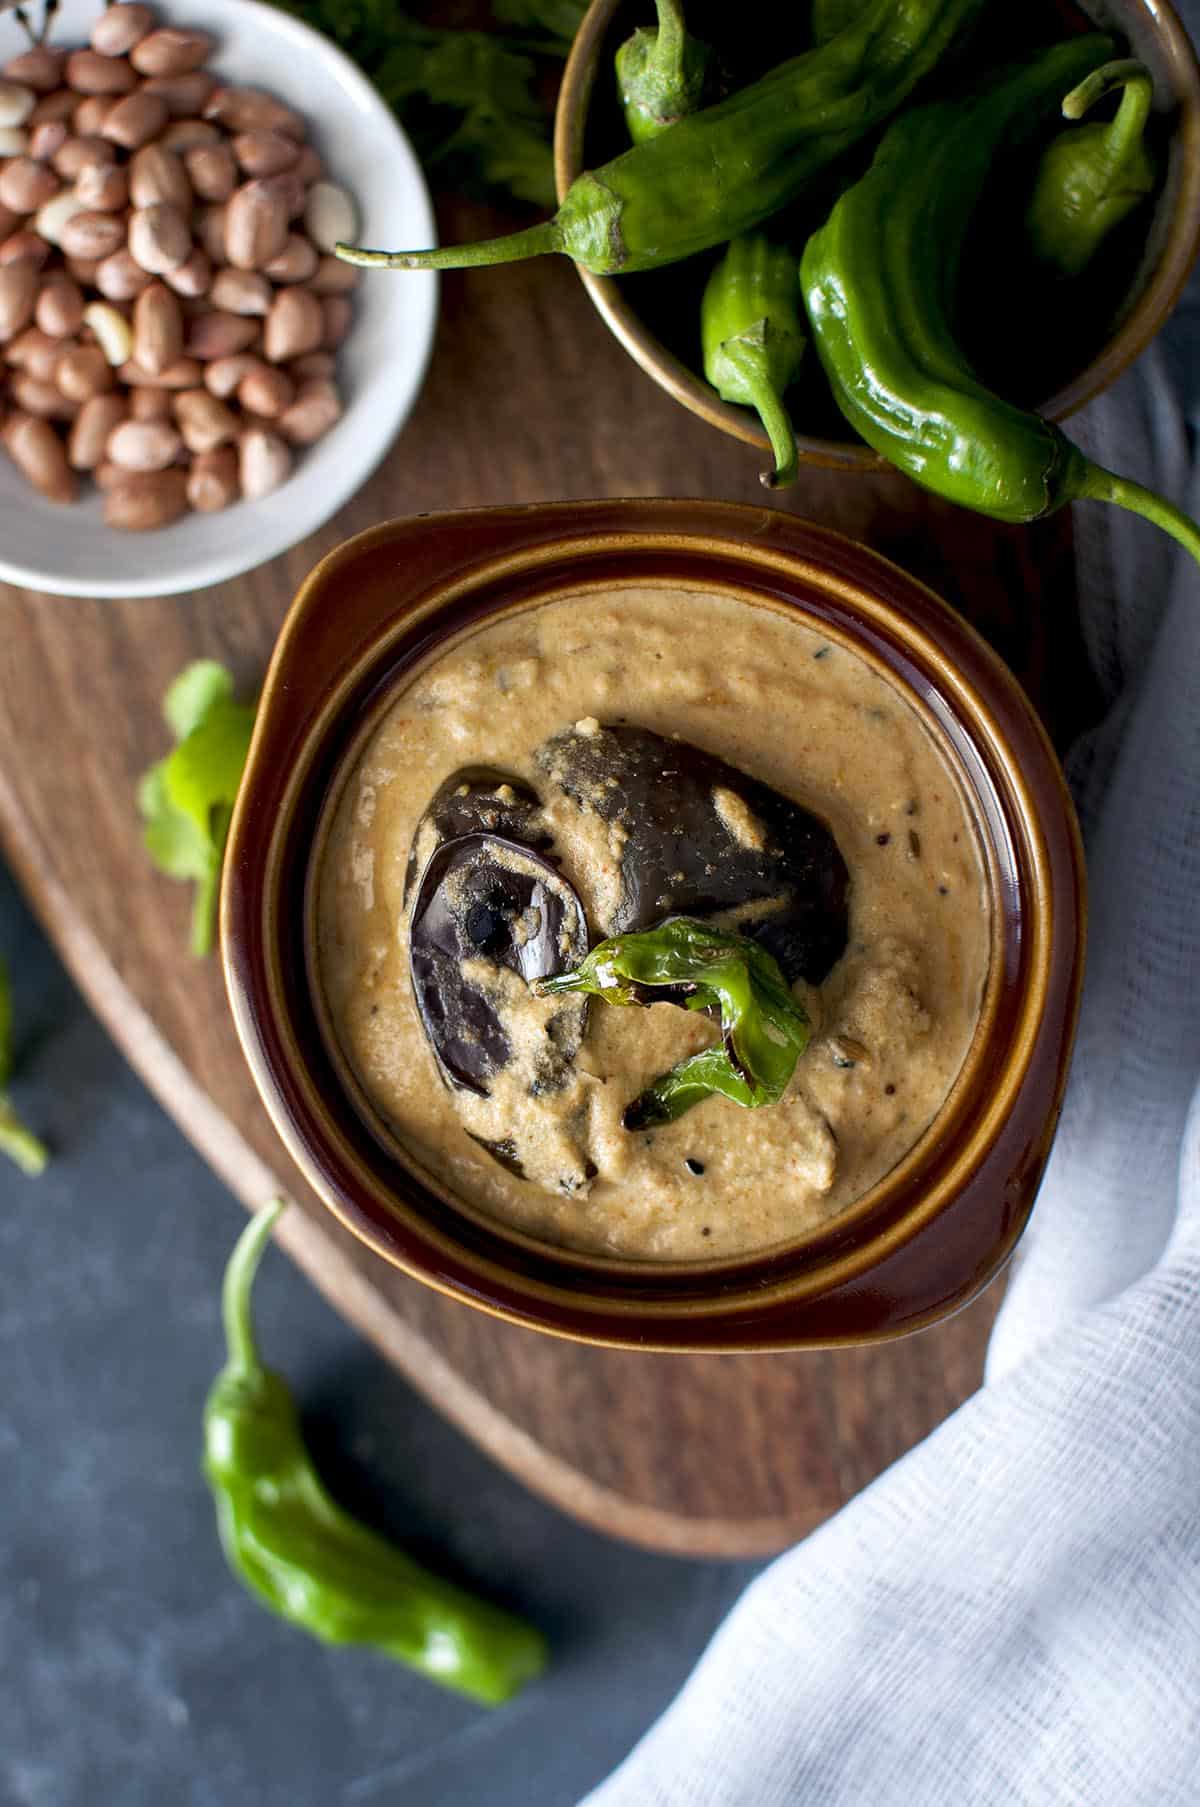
<point>528,399</point>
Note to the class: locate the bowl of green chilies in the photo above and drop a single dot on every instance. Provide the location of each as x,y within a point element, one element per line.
<point>1076,252</point>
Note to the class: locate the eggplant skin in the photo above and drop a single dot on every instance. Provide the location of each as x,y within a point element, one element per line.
<point>480,799</point>
<point>689,850</point>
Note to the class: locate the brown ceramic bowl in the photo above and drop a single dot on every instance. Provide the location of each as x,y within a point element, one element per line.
<point>584,135</point>
<point>935,1230</point>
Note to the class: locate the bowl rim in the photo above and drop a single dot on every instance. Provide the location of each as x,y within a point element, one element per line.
<point>891,1278</point>
<point>351,473</point>
<point>1157,300</point>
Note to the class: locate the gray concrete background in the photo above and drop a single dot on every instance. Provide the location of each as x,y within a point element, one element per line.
<point>136,1673</point>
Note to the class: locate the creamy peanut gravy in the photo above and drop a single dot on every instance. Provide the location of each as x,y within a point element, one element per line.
<point>893,1021</point>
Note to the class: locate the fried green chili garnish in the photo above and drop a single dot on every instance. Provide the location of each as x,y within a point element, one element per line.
<point>291,1544</point>
<point>1093,176</point>
<point>764,1029</point>
<point>661,74</point>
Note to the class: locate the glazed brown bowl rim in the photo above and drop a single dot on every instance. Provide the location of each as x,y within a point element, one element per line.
<point>1135,330</point>
<point>714,1312</point>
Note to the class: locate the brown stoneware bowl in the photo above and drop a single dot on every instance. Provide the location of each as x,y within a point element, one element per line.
<point>588,131</point>
<point>929,1235</point>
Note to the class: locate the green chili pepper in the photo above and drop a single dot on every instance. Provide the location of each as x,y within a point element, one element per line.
<point>1093,176</point>
<point>752,333</point>
<point>306,1557</point>
<point>764,1029</point>
<point>831,16</point>
<point>725,169</point>
<point>17,1142</point>
<point>661,75</point>
<point>879,281</point>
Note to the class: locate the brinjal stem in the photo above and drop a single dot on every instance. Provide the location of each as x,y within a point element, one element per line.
<point>534,241</point>
<point>1100,485</point>
<point>242,1351</point>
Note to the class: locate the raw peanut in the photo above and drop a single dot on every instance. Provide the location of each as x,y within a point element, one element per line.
<point>315,365</point>
<point>9,221</point>
<point>213,480</point>
<point>264,462</point>
<point>143,445</point>
<point>295,324</point>
<point>38,454</point>
<point>92,234</point>
<point>311,167</point>
<point>256,224</point>
<point>36,352</point>
<point>140,502</point>
<point>17,103</point>
<point>40,69</point>
<point>82,270</point>
<point>45,400</point>
<point>47,138</point>
<point>60,105</point>
<point>223,375</point>
<point>21,245</point>
<point>264,153</point>
<point>114,335</point>
<point>90,114</point>
<point>50,221</point>
<point>293,190</point>
<point>295,263</point>
<point>26,185</point>
<point>210,230</point>
<point>241,292</point>
<point>91,428</point>
<point>157,175</point>
<point>14,141</point>
<point>120,27</point>
<point>220,335</point>
<point>157,327</point>
<point>171,52</point>
<point>102,187</point>
<point>151,404</point>
<point>83,373</point>
<point>59,308</point>
<point>159,238</point>
<point>90,73</point>
<point>203,421</point>
<point>135,120</point>
<point>212,171</point>
<point>250,110</point>
<point>184,373</point>
<point>184,135</point>
<point>338,315</point>
<point>330,216</point>
<point>18,294</point>
<point>266,392</point>
<point>333,277</point>
<point>192,278</point>
<point>317,407</point>
<point>185,95</point>
<point>119,278</point>
<point>78,154</point>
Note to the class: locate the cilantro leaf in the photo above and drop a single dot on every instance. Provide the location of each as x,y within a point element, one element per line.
<point>559,19</point>
<point>186,800</point>
<point>17,1142</point>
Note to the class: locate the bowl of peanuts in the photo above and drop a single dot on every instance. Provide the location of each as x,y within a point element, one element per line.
<point>190,381</point>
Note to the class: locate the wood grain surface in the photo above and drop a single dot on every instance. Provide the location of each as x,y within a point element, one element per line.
<point>527,399</point>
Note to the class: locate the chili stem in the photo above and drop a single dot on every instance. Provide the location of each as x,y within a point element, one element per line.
<point>534,241</point>
<point>769,406</point>
<point>1130,121</point>
<point>1100,485</point>
<point>241,1349</point>
<point>669,41</point>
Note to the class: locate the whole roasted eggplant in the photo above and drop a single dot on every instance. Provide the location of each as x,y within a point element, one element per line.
<point>703,839</point>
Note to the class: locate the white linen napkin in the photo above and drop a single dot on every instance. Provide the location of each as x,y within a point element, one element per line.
<point>1011,1614</point>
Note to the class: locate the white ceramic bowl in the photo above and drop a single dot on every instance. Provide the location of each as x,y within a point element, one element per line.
<point>68,550</point>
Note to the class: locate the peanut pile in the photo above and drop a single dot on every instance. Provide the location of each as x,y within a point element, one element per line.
<point>169,305</point>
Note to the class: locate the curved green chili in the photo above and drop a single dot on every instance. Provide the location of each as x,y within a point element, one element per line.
<point>661,74</point>
<point>308,1559</point>
<point>1093,176</point>
<point>879,281</point>
<point>753,339</point>
<point>725,169</point>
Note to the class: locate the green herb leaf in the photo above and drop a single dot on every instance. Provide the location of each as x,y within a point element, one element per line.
<point>187,799</point>
<point>17,1142</point>
<point>559,19</point>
